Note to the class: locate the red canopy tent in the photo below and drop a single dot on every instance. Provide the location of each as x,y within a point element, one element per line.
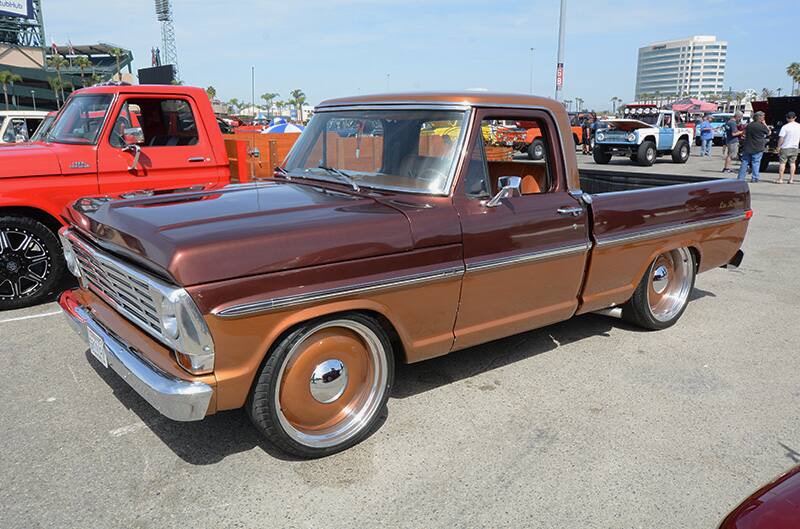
<point>693,106</point>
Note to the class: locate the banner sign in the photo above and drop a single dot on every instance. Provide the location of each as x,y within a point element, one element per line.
<point>16,8</point>
<point>559,74</point>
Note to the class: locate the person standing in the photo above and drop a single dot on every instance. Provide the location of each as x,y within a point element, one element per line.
<point>732,135</point>
<point>706,137</point>
<point>788,144</point>
<point>756,136</point>
<point>586,133</point>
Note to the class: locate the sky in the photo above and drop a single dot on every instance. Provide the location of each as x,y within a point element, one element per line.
<point>339,48</point>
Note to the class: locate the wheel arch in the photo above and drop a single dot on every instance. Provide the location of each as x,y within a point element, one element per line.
<point>45,217</point>
<point>650,137</point>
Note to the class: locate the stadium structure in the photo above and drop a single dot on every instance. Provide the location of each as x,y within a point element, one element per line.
<point>25,52</point>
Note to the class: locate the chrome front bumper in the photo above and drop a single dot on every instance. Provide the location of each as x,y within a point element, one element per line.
<point>176,399</point>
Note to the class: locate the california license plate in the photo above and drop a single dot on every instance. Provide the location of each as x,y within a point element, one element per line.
<point>97,347</point>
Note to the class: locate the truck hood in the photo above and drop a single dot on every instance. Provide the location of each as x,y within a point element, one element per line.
<point>244,230</point>
<point>627,125</point>
<point>28,159</point>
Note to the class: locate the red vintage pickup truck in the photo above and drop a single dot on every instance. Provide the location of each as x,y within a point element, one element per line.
<point>294,297</point>
<point>107,140</point>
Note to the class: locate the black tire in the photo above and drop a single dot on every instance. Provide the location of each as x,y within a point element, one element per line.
<point>764,164</point>
<point>698,142</point>
<point>270,419</point>
<point>601,156</point>
<point>31,262</point>
<point>639,311</point>
<point>647,153</point>
<point>680,154</point>
<point>536,149</point>
<point>633,157</point>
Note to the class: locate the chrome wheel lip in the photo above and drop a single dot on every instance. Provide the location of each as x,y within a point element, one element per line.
<point>358,419</point>
<point>676,292</point>
<point>19,256</point>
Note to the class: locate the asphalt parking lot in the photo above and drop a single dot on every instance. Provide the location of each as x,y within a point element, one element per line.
<point>590,423</point>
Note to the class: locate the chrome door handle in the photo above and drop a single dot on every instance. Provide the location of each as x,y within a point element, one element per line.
<point>575,212</point>
<point>196,159</point>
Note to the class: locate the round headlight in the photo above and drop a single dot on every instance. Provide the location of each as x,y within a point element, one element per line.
<point>169,319</point>
<point>601,136</point>
<point>632,137</point>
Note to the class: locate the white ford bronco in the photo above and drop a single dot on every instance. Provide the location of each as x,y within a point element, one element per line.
<point>642,142</point>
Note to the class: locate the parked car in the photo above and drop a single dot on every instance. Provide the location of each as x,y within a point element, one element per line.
<point>776,109</point>
<point>294,297</point>
<point>106,140</point>
<point>718,121</point>
<point>17,126</point>
<point>641,142</point>
<point>776,505</point>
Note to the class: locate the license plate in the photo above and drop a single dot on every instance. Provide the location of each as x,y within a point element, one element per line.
<point>97,347</point>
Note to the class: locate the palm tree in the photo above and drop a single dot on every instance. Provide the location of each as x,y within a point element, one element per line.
<point>117,53</point>
<point>268,97</point>
<point>279,105</point>
<point>7,77</point>
<point>55,86</point>
<point>766,93</point>
<point>58,61</point>
<point>212,93</point>
<point>234,104</point>
<point>83,63</point>
<point>96,78</point>
<point>298,98</point>
<point>793,71</point>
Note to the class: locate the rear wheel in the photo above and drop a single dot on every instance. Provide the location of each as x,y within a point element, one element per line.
<point>680,154</point>
<point>646,155</point>
<point>601,156</point>
<point>663,293</point>
<point>536,149</point>
<point>30,262</point>
<point>323,387</point>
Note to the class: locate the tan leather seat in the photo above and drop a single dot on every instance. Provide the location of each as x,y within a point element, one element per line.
<point>533,175</point>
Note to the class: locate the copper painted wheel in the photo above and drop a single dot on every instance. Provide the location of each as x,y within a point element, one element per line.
<point>669,283</point>
<point>331,383</point>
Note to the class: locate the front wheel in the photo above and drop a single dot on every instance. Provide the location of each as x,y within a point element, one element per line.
<point>323,387</point>
<point>601,156</point>
<point>536,149</point>
<point>646,155</point>
<point>663,293</point>
<point>680,154</point>
<point>31,264</point>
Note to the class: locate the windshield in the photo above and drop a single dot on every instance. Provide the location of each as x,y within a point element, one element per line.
<point>43,129</point>
<point>81,119</point>
<point>401,150</point>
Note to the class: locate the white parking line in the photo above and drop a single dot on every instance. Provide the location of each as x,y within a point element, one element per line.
<point>21,318</point>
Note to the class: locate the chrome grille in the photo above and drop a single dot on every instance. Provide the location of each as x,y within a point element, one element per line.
<point>125,290</point>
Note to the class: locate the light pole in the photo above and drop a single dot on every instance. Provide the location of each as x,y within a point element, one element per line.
<point>388,81</point>
<point>560,65</point>
<point>33,96</point>
<point>532,50</point>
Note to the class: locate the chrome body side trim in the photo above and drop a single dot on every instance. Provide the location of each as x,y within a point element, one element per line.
<point>528,258</point>
<point>280,303</point>
<point>393,105</point>
<point>659,232</point>
<point>177,399</point>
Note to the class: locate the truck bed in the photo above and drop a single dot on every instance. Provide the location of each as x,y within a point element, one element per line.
<point>595,181</point>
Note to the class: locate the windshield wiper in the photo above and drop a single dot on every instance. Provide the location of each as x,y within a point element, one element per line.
<point>342,176</point>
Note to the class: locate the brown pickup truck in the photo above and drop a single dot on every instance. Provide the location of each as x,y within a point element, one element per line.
<point>294,297</point>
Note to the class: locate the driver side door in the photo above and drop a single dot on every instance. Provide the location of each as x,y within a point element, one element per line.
<point>175,152</point>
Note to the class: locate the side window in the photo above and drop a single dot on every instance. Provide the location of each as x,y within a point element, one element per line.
<point>17,131</point>
<point>504,150</point>
<point>164,122</point>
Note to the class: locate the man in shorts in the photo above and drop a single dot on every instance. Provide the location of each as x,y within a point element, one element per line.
<point>788,143</point>
<point>732,134</point>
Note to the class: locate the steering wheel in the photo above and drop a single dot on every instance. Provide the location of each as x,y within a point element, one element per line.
<point>430,174</point>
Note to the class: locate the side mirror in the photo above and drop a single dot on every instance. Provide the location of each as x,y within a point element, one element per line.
<point>133,136</point>
<point>509,187</point>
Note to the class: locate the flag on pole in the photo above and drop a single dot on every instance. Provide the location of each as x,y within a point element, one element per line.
<point>71,49</point>
<point>54,47</point>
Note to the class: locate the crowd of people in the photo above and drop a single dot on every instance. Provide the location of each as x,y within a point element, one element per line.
<point>750,143</point>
